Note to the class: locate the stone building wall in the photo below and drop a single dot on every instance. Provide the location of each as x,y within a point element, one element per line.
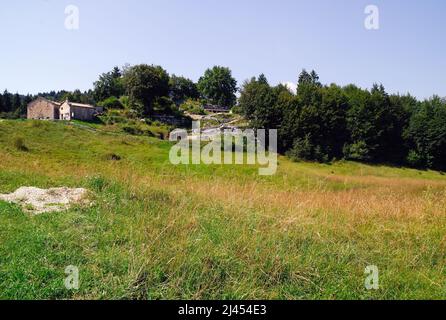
<point>42,109</point>
<point>81,113</point>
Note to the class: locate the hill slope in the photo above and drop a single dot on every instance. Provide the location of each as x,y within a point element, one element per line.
<point>160,231</point>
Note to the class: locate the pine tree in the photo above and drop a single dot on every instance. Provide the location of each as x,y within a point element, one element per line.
<point>16,102</point>
<point>22,110</point>
<point>7,104</point>
<point>1,104</point>
<point>262,79</point>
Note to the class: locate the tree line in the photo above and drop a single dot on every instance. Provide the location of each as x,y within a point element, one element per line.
<point>13,105</point>
<point>317,122</point>
<point>149,89</point>
<point>143,89</point>
<point>328,122</point>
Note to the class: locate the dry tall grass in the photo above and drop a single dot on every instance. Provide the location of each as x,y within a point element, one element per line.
<point>159,231</point>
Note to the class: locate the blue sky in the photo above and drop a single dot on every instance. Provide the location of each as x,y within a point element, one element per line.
<point>278,38</point>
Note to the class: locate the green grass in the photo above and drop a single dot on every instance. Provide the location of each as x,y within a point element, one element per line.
<point>157,231</point>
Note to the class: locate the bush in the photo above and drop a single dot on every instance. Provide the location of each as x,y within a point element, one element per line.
<point>112,157</point>
<point>193,107</point>
<point>164,105</point>
<point>133,130</point>
<point>302,149</point>
<point>414,159</point>
<point>125,101</point>
<point>19,144</point>
<point>111,103</point>
<point>305,149</point>
<point>8,115</point>
<point>137,130</point>
<point>358,151</point>
<point>114,116</point>
<point>98,183</point>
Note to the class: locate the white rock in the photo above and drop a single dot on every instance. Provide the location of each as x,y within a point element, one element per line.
<point>38,201</point>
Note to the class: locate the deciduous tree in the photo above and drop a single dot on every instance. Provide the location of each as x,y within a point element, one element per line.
<point>144,84</point>
<point>218,86</point>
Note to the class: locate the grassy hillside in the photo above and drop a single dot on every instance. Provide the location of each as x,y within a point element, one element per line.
<point>156,231</point>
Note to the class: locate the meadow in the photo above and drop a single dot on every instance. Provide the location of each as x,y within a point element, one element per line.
<point>158,231</point>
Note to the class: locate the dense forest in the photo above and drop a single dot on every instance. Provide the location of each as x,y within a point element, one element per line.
<point>328,122</point>
<point>317,122</point>
<point>13,105</point>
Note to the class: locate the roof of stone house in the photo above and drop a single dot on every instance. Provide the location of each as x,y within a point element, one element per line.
<point>48,100</point>
<point>81,105</point>
<point>74,104</point>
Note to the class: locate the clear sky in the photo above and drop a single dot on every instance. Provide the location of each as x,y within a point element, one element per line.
<point>278,38</point>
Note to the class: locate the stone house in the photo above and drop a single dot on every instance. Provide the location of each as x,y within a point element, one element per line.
<point>44,109</point>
